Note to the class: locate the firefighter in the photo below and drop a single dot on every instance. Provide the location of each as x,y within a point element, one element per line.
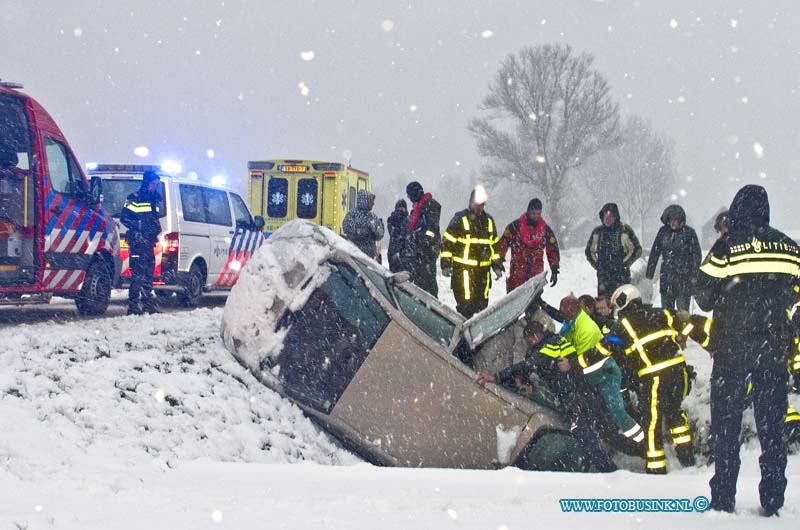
<point>425,238</point>
<point>468,255</point>
<point>140,215</point>
<point>645,337</point>
<point>611,250</point>
<point>747,281</point>
<point>574,397</point>
<point>529,239</point>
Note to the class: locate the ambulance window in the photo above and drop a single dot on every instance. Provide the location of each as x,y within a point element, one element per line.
<point>65,177</point>
<point>352,198</point>
<point>278,195</point>
<point>240,211</point>
<point>192,203</point>
<point>218,210</point>
<point>307,196</point>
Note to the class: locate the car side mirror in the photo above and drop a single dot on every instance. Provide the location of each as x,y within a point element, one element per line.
<point>96,189</point>
<point>258,221</point>
<point>400,277</point>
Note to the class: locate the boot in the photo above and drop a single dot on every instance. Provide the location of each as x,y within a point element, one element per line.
<point>685,455</point>
<point>134,309</point>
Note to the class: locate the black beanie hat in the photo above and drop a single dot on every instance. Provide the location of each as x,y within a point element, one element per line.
<point>400,204</point>
<point>149,176</point>
<point>414,191</point>
<point>535,204</point>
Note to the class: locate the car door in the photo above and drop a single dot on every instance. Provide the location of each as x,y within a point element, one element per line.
<point>195,241</point>
<point>221,229</point>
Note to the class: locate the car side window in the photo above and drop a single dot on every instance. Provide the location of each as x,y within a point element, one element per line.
<point>218,211</point>
<point>429,322</point>
<point>192,202</point>
<point>65,176</point>
<point>240,211</point>
<point>329,339</point>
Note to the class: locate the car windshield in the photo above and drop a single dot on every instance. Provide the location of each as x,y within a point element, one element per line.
<point>378,280</point>
<point>426,319</point>
<point>116,191</point>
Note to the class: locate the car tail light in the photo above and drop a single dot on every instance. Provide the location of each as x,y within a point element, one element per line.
<point>170,243</point>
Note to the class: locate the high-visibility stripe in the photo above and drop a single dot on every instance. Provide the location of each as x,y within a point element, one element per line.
<point>707,331</point>
<point>488,283</point>
<point>717,260</point>
<point>680,429</point>
<point>472,240</point>
<point>680,440</point>
<point>596,366</point>
<point>446,254</point>
<point>662,365</point>
<point>687,329</point>
<point>430,233</point>
<point>465,223</point>
<point>472,262</point>
<point>467,293</point>
<point>752,267</point>
<point>655,453</point>
<point>145,208</point>
<point>657,465</point>
<point>792,415</point>
<point>642,354</point>
<point>651,429</point>
<point>632,431</point>
<point>764,255</point>
<point>602,349</point>
<point>450,238</point>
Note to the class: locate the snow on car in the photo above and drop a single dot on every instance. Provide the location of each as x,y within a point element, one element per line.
<point>379,362</point>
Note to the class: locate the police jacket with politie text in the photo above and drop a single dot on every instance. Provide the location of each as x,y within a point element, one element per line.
<point>748,278</point>
<point>140,216</point>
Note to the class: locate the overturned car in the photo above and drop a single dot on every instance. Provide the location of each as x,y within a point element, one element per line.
<point>382,365</point>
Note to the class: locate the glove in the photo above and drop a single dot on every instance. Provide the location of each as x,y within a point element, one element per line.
<point>447,270</point>
<point>554,275</point>
<point>498,269</point>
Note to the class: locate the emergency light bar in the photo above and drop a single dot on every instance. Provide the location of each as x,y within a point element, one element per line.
<point>122,168</point>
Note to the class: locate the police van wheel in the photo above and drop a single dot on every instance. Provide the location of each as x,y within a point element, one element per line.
<point>554,451</point>
<point>95,294</point>
<point>192,287</point>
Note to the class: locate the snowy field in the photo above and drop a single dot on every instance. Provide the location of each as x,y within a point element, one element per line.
<point>148,423</point>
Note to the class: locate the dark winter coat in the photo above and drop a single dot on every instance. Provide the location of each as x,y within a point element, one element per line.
<point>362,227</point>
<point>140,215</point>
<point>527,253</point>
<point>425,233</point>
<point>399,244</point>
<point>469,242</point>
<point>748,279</point>
<point>681,252</point>
<point>612,250</point>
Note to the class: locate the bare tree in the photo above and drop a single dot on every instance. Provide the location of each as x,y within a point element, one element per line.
<point>639,175</point>
<point>559,112</point>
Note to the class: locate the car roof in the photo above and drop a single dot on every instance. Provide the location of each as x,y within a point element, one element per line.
<point>134,175</point>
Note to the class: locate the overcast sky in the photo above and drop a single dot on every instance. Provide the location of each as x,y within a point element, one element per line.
<point>392,84</point>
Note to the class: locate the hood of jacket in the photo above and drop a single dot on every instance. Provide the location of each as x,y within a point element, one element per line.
<point>362,199</point>
<point>610,206</point>
<point>673,211</point>
<point>749,209</point>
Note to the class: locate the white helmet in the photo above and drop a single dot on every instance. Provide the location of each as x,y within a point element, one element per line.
<point>624,295</point>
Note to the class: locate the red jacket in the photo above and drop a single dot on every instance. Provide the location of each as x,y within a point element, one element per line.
<point>528,245</point>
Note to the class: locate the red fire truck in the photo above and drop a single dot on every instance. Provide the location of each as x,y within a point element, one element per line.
<point>55,236</point>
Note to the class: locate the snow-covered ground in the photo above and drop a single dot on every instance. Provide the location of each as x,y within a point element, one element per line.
<point>148,422</point>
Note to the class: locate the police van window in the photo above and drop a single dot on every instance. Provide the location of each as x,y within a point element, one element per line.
<point>192,201</point>
<point>307,197</point>
<point>116,191</point>
<point>218,211</point>
<point>277,197</point>
<point>329,339</point>
<point>240,211</point>
<point>352,198</point>
<point>61,168</point>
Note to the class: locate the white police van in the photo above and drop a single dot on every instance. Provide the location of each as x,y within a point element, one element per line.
<point>207,233</point>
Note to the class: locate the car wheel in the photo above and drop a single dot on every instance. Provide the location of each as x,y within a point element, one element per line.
<point>555,451</point>
<point>95,294</point>
<point>192,287</point>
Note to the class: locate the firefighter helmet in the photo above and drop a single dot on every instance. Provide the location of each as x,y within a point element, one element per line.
<point>624,295</point>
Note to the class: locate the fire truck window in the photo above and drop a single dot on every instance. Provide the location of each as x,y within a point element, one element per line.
<point>15,134</point>
<point>307,197</point>
<point>219,211</point>
<point>192,202</point>
<point>278,197</point>
<point>58,166</point>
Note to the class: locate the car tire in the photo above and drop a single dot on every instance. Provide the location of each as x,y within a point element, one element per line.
<point>95,294</point>
<point>555,451</point>
<point>192,287</point>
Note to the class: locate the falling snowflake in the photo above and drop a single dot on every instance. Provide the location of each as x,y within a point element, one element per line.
<point>387,25</point>
<point>141,151</point>
<point>673,23</point>
<point>304,90</point>
<point>307,55</point>
<point>758,149</point>
<point>307,199</point>
<point>277,198</point>
<point>487,34</point>
<point>77,32</point>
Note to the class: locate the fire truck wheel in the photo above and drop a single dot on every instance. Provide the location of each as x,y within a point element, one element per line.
<point>192,288</point>
<point>95,294</point>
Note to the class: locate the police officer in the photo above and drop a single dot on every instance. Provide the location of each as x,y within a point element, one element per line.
<point>748,280</point>
<point>468,254</point>
<point>140,216</point>
<point>645,337</point>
